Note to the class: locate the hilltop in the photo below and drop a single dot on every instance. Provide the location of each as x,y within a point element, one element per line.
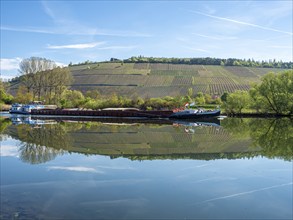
<point>161,79</point>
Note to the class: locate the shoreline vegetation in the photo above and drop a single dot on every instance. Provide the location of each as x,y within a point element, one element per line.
<point>271,97</point>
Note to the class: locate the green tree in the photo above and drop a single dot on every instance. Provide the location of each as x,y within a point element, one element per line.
<point>22,95</point>
<point>72,98</point>
<point>276,92</point>
<point>190,92</point>
<point>224,96</point>
<point>257,101</point>
<point>4,96</point>
<point>93,94</point>
<point>208,98</point>
<point>200,99</point>
<point>237,101</point>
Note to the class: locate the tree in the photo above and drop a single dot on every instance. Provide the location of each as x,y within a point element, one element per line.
<point>199,99</point>
<point>71,98</point>
<point>276,92</point>
<point>23,96</point>
<point>59,80</point>
<point>4,96</point>
<point>93,94</point>
<point>237,101</point>
<point>224,96</point>
<point>208,98</point>
<point>257,101</point>
<point>30,66</point>
<point>44,79</point>
<point>190,92</point>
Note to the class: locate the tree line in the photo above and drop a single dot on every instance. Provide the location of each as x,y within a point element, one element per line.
<point>212,61</point>
<point>200,61</point>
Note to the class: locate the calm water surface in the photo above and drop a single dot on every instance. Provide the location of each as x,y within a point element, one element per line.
<point>128,170</point>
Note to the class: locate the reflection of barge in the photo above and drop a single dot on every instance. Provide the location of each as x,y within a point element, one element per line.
<point>130,120</point>
<point>25,119</point>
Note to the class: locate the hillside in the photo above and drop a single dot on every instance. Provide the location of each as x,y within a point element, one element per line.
<point>161,79</point>
<point>157,80</point>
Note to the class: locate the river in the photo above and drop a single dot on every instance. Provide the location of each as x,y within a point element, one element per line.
<point>68,168</point>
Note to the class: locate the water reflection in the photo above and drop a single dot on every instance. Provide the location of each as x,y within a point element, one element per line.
<point>274,136</point>
<point>43,139</point>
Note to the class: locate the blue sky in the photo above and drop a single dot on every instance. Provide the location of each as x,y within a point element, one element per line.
<point>76,31</point>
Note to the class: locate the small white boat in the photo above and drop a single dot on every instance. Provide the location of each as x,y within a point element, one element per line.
<point>195,114</point>
<point>16,108</point>
<point>25,109</point>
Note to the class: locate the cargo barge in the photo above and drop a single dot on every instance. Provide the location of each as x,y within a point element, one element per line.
<point>105,113</point>
<point>183,113</point>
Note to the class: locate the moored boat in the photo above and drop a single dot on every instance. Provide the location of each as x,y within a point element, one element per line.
<point>195,114</point>
<point>17,108</point>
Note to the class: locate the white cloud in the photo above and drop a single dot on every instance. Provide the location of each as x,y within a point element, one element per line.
<point>10,64</point>
<point>8,151</point>
<point>27,29</point>
<point>280,47</point>
<point>76,169</point>
<point>76,30</point>
<point>216,37</point>
<point>61,64</point>
<point>197,49</point>
<point>48,10</point>
<point>242,23</point>
<point>117,47</point>
<point>75,46</point>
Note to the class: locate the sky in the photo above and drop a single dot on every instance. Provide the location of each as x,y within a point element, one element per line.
<point>76,31</point>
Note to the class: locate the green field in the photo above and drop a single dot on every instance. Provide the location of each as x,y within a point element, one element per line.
<point>162,79</point>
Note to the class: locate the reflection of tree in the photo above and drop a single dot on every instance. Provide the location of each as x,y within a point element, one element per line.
<point>274,136</point>
<point>4,122</point>
<point>43,144</point>
<point>237,127</point>
<point>35,154</point>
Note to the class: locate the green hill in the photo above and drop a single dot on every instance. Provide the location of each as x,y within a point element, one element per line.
<point>161,79</point>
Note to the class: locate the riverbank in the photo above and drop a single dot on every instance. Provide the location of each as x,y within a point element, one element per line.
<point>4,107</point>
<point>256,115</point>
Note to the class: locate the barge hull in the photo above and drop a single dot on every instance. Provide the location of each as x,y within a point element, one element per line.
<point>104,113</point>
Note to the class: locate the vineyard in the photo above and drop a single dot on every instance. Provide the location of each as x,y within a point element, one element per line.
<point>161,79</point>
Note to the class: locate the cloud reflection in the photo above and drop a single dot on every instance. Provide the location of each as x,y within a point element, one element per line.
<point>9,151</point>
<point>76,169</point>
<point>244,193</point>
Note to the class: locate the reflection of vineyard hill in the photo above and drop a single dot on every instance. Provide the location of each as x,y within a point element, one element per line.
<point>159,140</point>
<point>237,138</point>
<point>161,79</point>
